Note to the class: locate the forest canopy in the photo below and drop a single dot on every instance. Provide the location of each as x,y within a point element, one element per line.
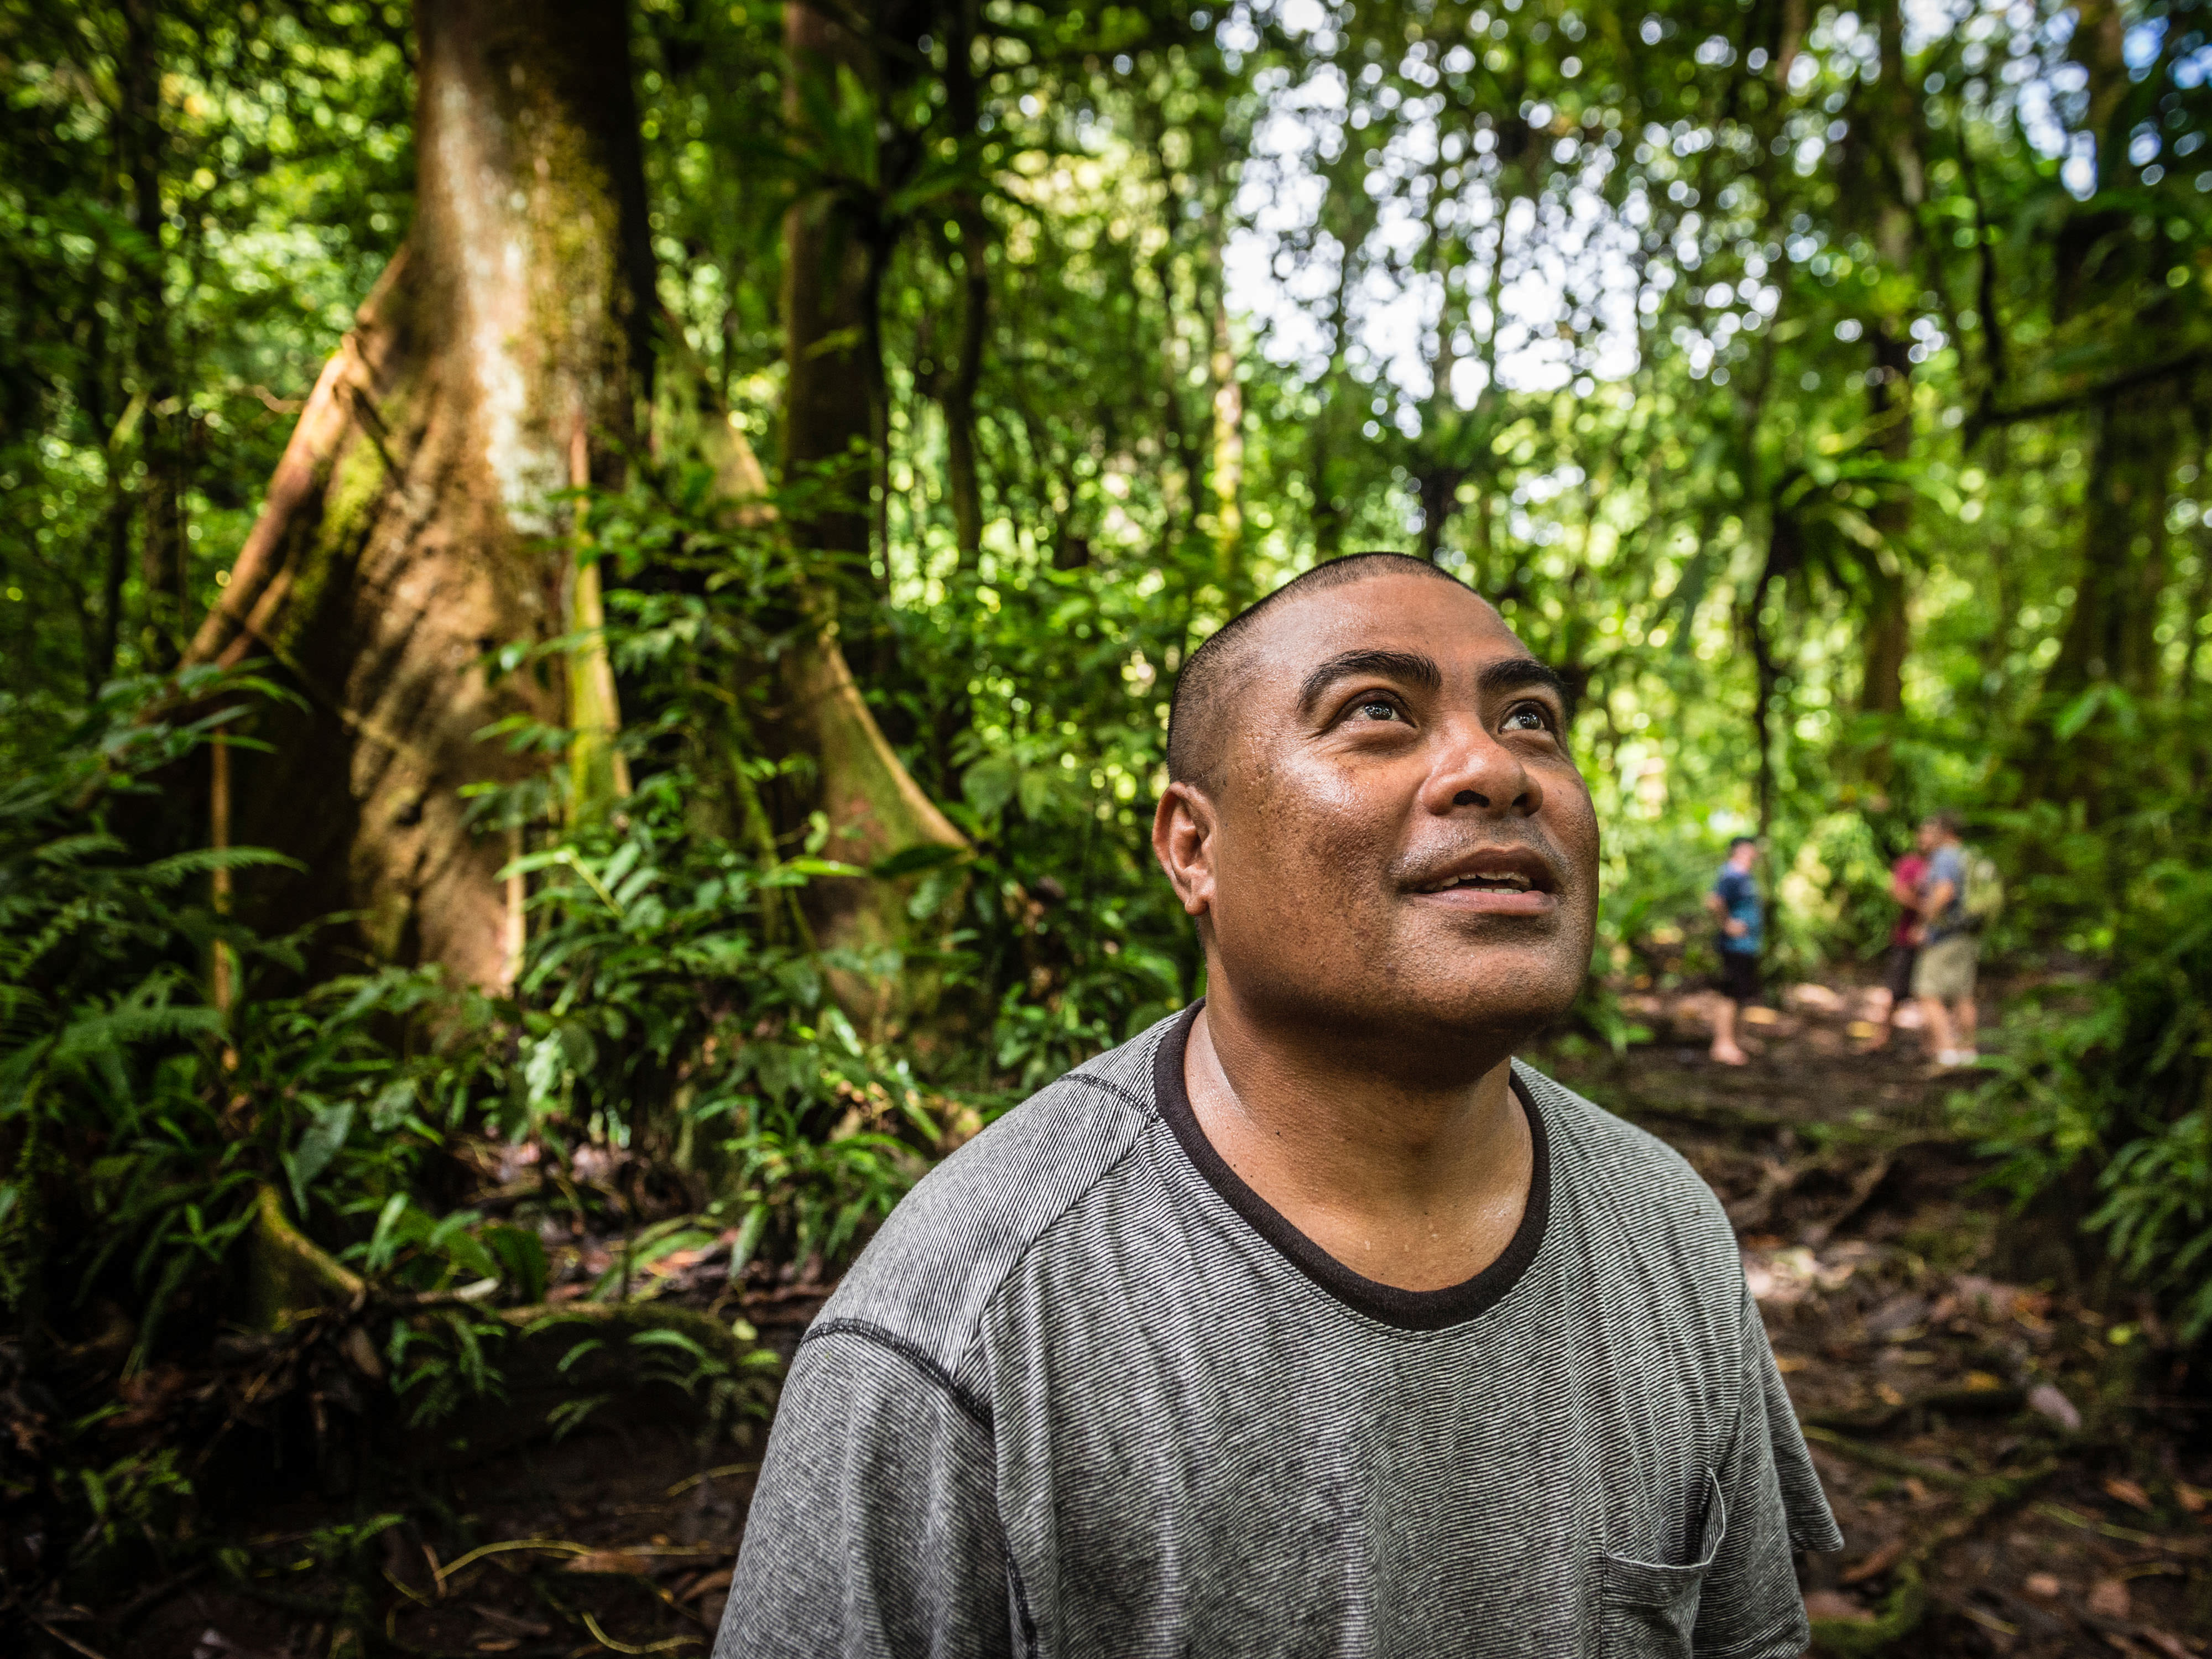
<point>590,590</point>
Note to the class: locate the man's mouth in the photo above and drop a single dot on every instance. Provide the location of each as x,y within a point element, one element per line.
<point>1501,882</point>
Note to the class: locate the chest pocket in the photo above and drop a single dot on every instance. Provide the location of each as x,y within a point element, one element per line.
<point>1650,1608</point>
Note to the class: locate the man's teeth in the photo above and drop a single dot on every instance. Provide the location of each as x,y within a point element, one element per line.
<point>1518,884</point>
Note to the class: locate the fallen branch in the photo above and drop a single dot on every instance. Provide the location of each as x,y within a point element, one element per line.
<point>1776,1181</point>
<point>608,1641</point>
<point>546,1545</point>
<point>689,1481</point>
<point>1889,1462</point>
<point>1869,1179</point>
<point>2190,1547</point>
<point>1956,1401</point>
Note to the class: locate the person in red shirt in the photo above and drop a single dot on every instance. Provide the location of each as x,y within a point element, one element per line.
<point>1894,995</point>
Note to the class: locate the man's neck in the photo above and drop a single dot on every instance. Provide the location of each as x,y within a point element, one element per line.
<point>1416,1180</point>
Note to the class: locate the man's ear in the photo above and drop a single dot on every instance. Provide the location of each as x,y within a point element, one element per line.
<point>1182,841</point>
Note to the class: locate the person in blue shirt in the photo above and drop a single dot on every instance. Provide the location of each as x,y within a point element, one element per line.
<point>1734,901</point>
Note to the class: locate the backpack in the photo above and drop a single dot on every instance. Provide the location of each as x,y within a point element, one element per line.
<point>1984,894</point>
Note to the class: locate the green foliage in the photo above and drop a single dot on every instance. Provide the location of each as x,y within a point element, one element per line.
<point>1830,410</point>
<point>2116,1080</point>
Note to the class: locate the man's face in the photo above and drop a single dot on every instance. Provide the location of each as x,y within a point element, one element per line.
<point>1396,835</point>
<point>1927,837</point>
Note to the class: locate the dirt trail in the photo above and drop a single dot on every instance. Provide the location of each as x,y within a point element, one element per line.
<point>2014,1473</point>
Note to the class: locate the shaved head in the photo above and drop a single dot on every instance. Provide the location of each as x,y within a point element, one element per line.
<point>1378,823</point>
<point>1206,690</point>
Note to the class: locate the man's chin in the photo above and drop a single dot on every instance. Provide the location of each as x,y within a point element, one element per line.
<point>1509,995</point>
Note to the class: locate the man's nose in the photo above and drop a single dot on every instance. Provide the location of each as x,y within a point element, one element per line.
<point>1476,770</point>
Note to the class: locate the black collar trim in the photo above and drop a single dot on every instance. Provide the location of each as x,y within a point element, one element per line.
<point>1412,1310</point>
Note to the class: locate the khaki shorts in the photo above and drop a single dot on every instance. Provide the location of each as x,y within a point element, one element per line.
<point>1945,970</point>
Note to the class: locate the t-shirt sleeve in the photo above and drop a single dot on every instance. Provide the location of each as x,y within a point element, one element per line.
<point>874,1529</point>
<point>1750,1606</point>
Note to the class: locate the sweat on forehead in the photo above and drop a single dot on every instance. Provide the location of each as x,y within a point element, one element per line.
<point>1206,689</point>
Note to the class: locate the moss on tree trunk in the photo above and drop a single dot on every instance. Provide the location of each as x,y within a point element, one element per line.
<point>411,529</point>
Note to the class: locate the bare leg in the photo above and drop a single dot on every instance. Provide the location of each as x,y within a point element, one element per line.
<point>1967,1020</point>
<point>1724,1044</point>
<point>1936,1020</point>
<point>1879,1006</point>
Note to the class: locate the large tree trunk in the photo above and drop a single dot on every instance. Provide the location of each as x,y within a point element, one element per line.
<point>409,530</point>
<point>2111,634</point>
<point>161,547</point>
<point>873,806</point>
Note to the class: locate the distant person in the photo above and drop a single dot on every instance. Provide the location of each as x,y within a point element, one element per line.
<point>1734,900</point>
<point>1309,1321</point>
<point>1943,975</point>
<point>1894,995</point>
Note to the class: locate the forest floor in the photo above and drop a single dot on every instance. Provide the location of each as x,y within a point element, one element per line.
<point>2015,1472</point>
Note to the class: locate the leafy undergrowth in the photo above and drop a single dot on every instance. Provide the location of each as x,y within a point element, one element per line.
<point>2017,1470</point>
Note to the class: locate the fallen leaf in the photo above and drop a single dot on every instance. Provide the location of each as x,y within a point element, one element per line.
<point>1888,1396</point>
<point>2108,1599</point>
<point>608,1561</point>
<point>1876,1563</point>
<point>1983,1381</point>
<point>2189,1498</point>
<point>498,1643</point>
<point>1915,1488</point>
<point>2130,1494</point>
<point>1832,1604</point>
<point>2043,1585</point>
<point>2045,1399</point>
<point>1788,1363</point>
<point>718,1579</point>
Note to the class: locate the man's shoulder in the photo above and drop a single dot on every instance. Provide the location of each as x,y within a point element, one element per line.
<point>925,1278</point>
<point>1652,1186</point>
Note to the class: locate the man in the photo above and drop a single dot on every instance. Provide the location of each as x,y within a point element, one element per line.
<point>1894,995</point>
<point>1735,901</point>
<point>1309,1322</point>
<point>1943,976</point>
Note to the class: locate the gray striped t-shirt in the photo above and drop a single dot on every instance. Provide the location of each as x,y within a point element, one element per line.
<point>1087,1394</point>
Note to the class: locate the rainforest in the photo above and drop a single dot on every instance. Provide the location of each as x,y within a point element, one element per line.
<point>590,591</point>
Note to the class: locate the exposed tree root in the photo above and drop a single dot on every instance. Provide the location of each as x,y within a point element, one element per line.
<point>1980,1498</point>
<point>1864,1188</point>
<point>288,1275</point>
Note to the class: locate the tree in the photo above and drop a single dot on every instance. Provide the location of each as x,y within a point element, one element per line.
<point>412,530</point>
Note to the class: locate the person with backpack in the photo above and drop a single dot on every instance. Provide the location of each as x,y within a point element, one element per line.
<point>1735,905</point>
<point>1959,894</point>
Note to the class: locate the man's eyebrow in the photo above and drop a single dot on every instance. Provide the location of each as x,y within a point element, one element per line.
<point>1409,665</point>
<point>1526,674</point>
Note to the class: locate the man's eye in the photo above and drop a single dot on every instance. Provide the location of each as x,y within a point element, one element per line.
<point>1375,709</point>
<point>1528,717</point>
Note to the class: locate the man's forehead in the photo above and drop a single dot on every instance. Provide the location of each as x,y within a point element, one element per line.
<point>1439,618</point>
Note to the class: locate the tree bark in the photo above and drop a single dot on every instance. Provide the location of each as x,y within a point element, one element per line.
<point>410,529</point>
<point>2111,634</point>
<point>828,329</point>
<point>873,806</point>
<point>962,480</point>
<point>161,541</point>
<point>1229,574</point>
